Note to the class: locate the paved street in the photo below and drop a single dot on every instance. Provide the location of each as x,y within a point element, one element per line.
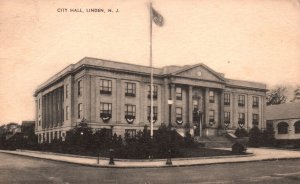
<point>19,169</point>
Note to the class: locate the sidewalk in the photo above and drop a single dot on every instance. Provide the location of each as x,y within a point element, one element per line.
<point>259,154</point>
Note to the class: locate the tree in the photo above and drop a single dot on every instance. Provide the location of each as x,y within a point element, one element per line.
<point>254,137</point>
<point>277,95</point>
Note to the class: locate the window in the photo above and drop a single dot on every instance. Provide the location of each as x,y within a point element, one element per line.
<point>130,133</point>
<point>195,105</point>
<point>227,117</point>
<point>130,89</point>
<point>241,101</point>
<point>130,110</point>
<point>39,120</point>
<point>226,99</point>
<point>178,93</point>
<point>154,112</point>
<point>39,103</point>
<point>255,119</point>
<point>105,86</point>
<point>155,89</point>
<point>297,127</point>
<point>255,101</point>
<point>178,113</point>
<point>67,112</point>
<point>211,116</point>
<point>80,111</point>
<point>282,128</point>
<point>105,108</point>
<point>79,87</point>
<point>67,91</point>
<point>211,96</point>
<point>241,118</point>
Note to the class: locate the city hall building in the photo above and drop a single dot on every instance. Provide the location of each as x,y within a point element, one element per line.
<point>116,96</point>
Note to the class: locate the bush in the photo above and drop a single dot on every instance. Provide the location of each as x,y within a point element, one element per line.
<point>241,132</point>
<point>268,137</point>
<point>255,137</point>
<point>239,148</point>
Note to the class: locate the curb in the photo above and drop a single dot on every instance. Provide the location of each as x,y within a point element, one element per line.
<point>153,166</point>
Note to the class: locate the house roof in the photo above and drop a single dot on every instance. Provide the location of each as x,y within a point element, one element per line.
<point>283,111</point>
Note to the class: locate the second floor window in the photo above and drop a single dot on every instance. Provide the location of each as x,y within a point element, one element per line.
<point>227,117</point>
<point>211,96</point>
<point>178,93</point>
<point>226,99</point>
<point>67,112</point>
<point>178,113</point>
<point>105,108</point>
<point>105,86</point>
<point>241,101</point>
<point>80,87</point>
<point>130,110</point>
<point>155,89</point>
<point>211,116</point>
<point>67,91</point>
<point>130,89</point>
<point>154,112</point>
<point>241,118</point>
<point>195,105</point>
<point>255,101</point>
<point>80,115</point>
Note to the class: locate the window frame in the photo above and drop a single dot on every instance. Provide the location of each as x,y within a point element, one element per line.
<point>226,98</point>
<point>178,93</point>
<point>255,120</point>
<point>255,101</point>
<point>67,91</point>
<point>241,119</point>
<point>80,111</point>
<point>241,101</point>
<point>178,114</point>
<point>67,112</point>
<point>155,91</point>
<point>211,96</point>
<point>133,110</point>
<point>131,132</point>
<point>80,87</point>
<point>105,89</point>
<point>155,112</point>
<point>130,89</point>
<point>106,108</point>
<point>282,128</point>
<point>297,127</point>
<point>211,115</point>
<point>227,116</point>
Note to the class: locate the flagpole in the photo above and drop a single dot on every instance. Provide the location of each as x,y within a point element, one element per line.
<point>151,76</point>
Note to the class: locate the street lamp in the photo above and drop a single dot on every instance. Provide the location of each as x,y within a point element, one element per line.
<point>170,102</point>
<point>199,113</point>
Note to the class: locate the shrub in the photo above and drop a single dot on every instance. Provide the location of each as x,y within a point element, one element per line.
<point>241,132</point>
<point>255,137</point>
<point>238,148</point>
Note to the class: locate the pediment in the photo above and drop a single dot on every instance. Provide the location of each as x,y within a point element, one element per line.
<point>199,71</point>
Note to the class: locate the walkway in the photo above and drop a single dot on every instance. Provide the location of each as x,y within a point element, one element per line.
<point>259,154</point>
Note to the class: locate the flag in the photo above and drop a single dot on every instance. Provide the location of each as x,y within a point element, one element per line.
<point>157,18</point>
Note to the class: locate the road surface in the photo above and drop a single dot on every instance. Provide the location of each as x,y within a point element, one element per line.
<point>20,169</point>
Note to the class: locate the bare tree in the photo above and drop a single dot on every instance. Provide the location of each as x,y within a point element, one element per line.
<point>277,95</point>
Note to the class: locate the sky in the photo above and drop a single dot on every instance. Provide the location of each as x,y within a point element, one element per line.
<point>256,40</point>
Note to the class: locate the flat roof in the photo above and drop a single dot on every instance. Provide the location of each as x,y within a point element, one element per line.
<point>138,69</point>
